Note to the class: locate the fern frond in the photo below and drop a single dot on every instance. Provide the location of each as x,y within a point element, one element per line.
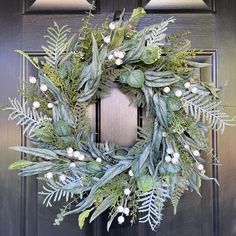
<point>105,87</point>
<point>54,192</point>
<point>179,189</point>
<point>155,33</point>
<point>152,203</point>
<point>143,139</point>
<point>208,110</point>
<point>83,121</point>
<point>56,40</point>
<point>136,96</point>
<point>27,118</point>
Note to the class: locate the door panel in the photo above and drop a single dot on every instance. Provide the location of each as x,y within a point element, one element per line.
<point>22,213</point>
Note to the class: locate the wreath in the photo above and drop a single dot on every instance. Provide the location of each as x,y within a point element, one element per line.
<point>157,72</point>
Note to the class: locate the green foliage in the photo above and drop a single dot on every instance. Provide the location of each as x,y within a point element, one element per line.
<point>137,14</point>
<point>135,96</point>
<point>56,40</point>
<point>38,152</point>
<point>27,118</point>
<point>145,183</point>
<point>181,186</point>
<point>82,217</point>
<point>160,79</point>
<point>53,192</point>
<point>61,128</point>
<point>201,107</point>
<point>37,168</point>
<point>143,139</point>
<point>136,79</point>
<point>151,206</point>
<point>155,33</point>
<point>54,76</point>
<point>151,54</point>
<point>17,165</point>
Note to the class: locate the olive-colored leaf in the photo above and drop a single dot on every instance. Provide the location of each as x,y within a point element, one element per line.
<point>145,183</point>
<point>83,216</point>
<point>19,164</point>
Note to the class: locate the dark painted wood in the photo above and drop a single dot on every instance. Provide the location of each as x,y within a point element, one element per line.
<point>22,213</point>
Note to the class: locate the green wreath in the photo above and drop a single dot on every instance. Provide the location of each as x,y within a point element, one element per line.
<point>156,72</point>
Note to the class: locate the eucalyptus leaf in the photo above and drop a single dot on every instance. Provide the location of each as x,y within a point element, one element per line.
<point>106,203</point>
<point>136,79</point>
<point>161,109</point>
<point>109,174</point>
<point>198,64</point>
<point>38,152</point>
<point>160,79</point>
<point>37,168</point>
<point>145,183</point>
<point>61,128</point>
<point>166,168</point>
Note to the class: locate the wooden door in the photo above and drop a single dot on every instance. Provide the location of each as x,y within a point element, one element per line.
<point>213,26</point>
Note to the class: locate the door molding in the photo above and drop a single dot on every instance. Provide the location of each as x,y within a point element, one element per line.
<point>29,185</point>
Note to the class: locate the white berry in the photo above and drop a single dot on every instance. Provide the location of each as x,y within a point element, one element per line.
<point>194,90</point>
<point>186,146</point>
<point>49,175</point>
<point>187,85</point>
<point>110,57</point>
<point>107,39</point>
<point>169,150</point>
<point>121,219</point>
<point>116,53</point>
<point>70,151</point>
<point>200,167</point>
<point>164,134</point>
<point>196,153</point>
<point>127,191</point>
<point>166,89</point>
<point>62,177</point>
<point>131,174</point>
<point>175,160</point>
<point>76,154</point>
<point>72,165</point>
<point>176,155</point>
<point>168,158</point>
<point>36,104</point>
<point>32,80</point>
<point>99,160</point>
<point>43,87</point>
<point>50,105</point>
<point>112,25</point>
<point>118,61</point>
<point>120,209</point>
<point>81,157</point>
<point>121,55</point>
<point>178,93</point>
<point>126,211</point>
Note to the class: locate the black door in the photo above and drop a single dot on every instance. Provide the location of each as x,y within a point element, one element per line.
<point>213,26</point>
